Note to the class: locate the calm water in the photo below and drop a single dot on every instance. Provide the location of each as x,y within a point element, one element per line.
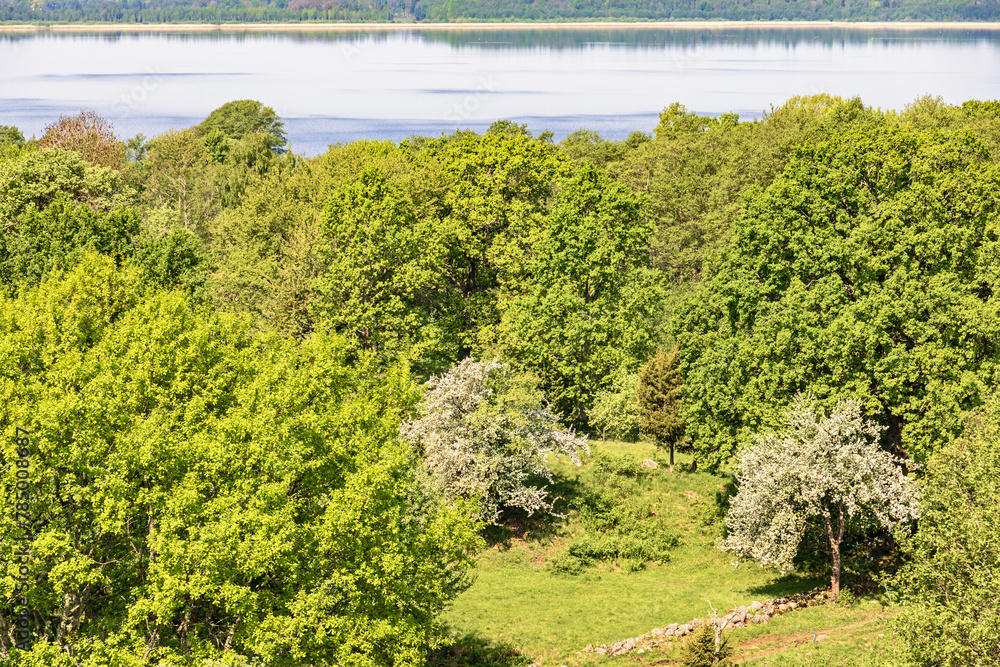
<point>337,87</point>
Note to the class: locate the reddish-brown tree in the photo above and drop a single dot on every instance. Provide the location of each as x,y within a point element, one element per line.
<point>90,135</point>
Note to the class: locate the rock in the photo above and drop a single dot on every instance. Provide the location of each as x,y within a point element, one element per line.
<point>629,644</point>
<point>684,629</point>
<point>600,650</point>
<point>649,463</point>
<point>756,605</point>
<point>657,632</point>
<point>782,607</point>
<point>589,649</point>
<point>793,605</point>
<point>642,650</point>
<point>671,630</point>
<point>646,637</point>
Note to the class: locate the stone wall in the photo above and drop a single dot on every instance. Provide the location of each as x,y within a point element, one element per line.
<point>740,617</point>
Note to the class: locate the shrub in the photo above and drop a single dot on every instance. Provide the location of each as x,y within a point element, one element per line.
<point>700,651</point>
<point>616,409</point>
<point>485,434</point>
<point>621,521</point>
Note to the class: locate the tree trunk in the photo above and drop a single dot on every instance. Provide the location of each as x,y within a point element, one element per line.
<point>835,541</point>
<point>671,456</point>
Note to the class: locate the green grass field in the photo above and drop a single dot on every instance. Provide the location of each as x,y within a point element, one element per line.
<point>520,611</point>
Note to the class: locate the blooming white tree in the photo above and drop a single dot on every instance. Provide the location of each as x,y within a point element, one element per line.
<point>819,474</point>
<point>484,434</point>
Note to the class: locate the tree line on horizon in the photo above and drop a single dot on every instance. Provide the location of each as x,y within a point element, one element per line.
<point>256,11</point>
<point>249,384</point>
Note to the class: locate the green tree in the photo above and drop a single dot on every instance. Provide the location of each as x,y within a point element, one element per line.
<point>57,237</point>
<point>268,248</point>
<point>206,494</point>
<point>697,172</point>
<point>179,174</point>
<point>493,192</point>
<point>616,408</point>
<point>242,117</point>
<point>864,271</point>
<point>34,178</point>
<point>587,308</point>
<point>170,256</point>
<point>10,136</point>
<point>949,583</point>
<point>659,400</point>
<point>705,649</point>
<point>382,282</point>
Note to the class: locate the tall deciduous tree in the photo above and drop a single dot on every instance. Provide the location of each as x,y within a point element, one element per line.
<point>10,136</point>
<point>616,408</point>
<point>59,235</point>
<point>586,308</point>
<point>659,399</point>
<point>89,134</point>
<point>950,582</point>
<point>495,190</point>
<point>241,117</point>
<point>34,178</point>
<point>820,474</point>
<point>867,269</point>
<point>383,283</point>
<point>205,494</point>
<point>179,176</point>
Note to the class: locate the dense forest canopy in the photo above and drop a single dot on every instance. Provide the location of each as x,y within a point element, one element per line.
<point>167,11</point>
<point>216,349</point>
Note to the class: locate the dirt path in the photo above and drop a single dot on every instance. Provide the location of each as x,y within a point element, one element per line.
<point>771,645</point>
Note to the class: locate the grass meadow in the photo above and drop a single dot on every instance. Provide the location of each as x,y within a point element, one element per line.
<point>520,610</point>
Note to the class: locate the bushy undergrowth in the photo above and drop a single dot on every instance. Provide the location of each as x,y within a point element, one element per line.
<point>621,520</point>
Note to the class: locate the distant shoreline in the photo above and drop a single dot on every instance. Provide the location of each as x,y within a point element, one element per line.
<point>519,25</point>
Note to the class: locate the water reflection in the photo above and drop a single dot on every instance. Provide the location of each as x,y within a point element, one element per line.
<point>376,83</point>
<point>500,39</point>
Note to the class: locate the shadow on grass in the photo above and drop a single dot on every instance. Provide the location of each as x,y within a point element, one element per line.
<point>789,584</point>
<point>540,526</point>
<point>471,650</point>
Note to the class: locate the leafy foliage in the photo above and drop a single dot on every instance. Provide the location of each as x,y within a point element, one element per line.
<point>950,582</point>
<point>237,119</point>
<point>383,283</point>
<point>10,136</point>
<point>863,271</point>
<point>58,236</point>
<point>484,435</point>
<point>587,308</point>
<point>616,409</point>
<point>33,178</point>
<point>205,495</point>
<point>819,475</point>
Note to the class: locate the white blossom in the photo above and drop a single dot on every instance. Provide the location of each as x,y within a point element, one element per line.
<point>821,474</point>
<point>481,436</point>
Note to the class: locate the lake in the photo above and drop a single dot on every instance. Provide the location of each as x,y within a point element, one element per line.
<point>337,86</point>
